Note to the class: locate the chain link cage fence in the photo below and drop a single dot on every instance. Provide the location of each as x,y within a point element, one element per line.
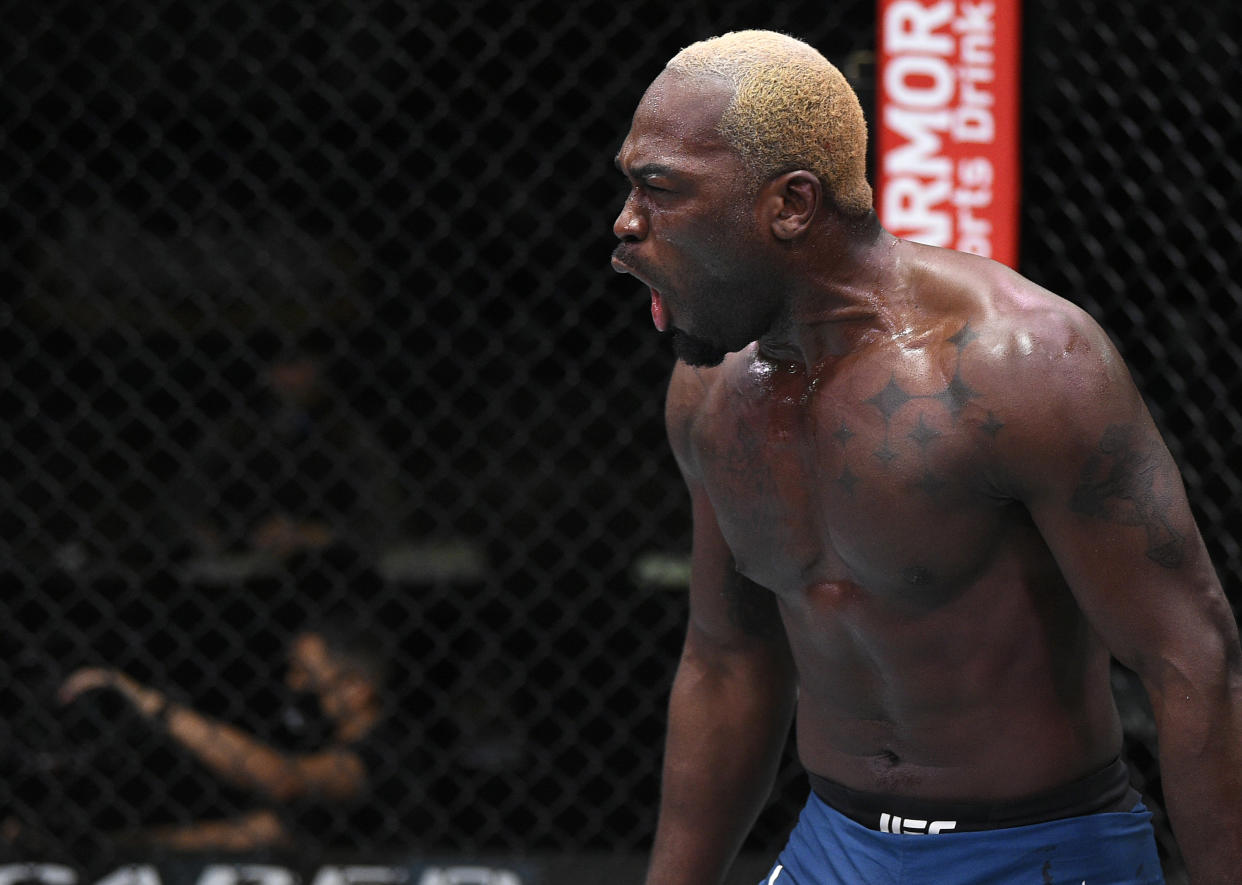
<point>308,310</point>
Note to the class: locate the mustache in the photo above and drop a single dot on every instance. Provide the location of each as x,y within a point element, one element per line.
<point>625,255</point>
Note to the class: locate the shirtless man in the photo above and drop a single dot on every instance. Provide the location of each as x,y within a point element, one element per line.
<point>928,505</point>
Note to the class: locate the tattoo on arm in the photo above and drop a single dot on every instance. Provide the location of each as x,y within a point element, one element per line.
<point>752,608</point>
<point>1118,485</point>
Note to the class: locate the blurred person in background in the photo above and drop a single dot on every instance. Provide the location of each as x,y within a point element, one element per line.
<point>313,792</point>
<point>296,470</point>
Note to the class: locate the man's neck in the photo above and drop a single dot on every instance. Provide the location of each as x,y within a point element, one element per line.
<point>844,300</point>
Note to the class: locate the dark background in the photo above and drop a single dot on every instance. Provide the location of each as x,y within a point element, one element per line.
<point>425,191</point>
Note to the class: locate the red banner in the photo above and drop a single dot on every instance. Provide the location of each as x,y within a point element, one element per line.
<point>947,134</point>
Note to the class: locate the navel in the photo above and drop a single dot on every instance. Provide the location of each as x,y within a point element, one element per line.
<point>887,757</point>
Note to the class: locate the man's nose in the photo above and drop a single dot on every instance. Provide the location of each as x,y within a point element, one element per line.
<point>630,225</point>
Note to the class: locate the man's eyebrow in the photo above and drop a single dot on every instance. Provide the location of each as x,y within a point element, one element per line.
<point>645,171</point>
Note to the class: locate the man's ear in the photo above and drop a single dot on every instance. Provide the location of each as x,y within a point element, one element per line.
<point>792,201</point>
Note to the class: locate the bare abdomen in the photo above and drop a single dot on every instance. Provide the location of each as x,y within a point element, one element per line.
<point>999,693</point>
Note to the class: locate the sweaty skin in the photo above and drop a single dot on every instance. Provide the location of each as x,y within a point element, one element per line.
<point>928,504</point>
<point>939,651</point>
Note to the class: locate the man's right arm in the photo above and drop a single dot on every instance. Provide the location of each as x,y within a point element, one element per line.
<point>732,698</point>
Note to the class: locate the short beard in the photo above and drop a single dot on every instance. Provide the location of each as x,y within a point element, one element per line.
<point>695,351</point>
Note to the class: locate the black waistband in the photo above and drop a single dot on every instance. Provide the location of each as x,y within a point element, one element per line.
<point>1104,791</point>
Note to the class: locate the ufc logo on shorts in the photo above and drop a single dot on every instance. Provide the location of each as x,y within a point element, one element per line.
<point>891,823</point>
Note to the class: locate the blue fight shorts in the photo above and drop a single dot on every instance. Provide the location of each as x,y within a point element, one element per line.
<point>1105,848</point>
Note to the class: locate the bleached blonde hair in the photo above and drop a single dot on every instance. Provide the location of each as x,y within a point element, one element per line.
<point>791,109</point>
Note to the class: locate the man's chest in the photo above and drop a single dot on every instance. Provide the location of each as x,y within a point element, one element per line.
<point>883,482</point>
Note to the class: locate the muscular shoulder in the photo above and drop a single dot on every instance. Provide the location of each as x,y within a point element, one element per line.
<point>689,391</point>
<point>1045,354</point>
<point>699,399</point>
<point>1053,378</point>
